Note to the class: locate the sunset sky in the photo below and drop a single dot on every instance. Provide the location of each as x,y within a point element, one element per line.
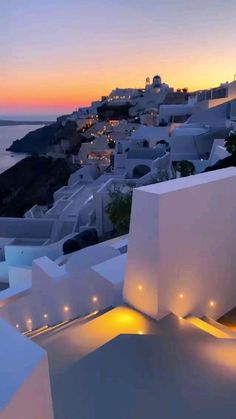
<point>59,54</point>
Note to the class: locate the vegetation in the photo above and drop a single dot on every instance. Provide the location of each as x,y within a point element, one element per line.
<point>230,143</point>
<point>119,210</point>
<point>186,168</point>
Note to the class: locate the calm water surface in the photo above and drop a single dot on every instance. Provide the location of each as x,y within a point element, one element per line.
<point>7,136</point>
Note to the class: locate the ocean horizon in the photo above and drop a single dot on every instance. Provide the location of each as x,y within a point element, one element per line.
<point>29,117</point>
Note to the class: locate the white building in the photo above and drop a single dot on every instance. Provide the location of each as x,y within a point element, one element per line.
<point>210,98</point>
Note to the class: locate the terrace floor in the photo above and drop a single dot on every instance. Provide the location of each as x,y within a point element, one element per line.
<point>122,365</point>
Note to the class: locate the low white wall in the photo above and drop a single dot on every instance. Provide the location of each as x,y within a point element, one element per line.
<point>53,288</point>
<point>24,255</point>
<point>181,246</point>
<point>25,228</point>
<point>33,399</point>
<point>24,379</point>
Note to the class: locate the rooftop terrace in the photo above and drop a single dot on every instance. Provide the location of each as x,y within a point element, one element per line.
<point>124,365</point>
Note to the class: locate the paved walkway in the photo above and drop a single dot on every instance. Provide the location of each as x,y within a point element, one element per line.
<point>177,372</point>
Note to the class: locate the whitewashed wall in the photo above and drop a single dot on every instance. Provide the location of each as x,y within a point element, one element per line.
<point>24,378</point>
<point>181,255</point>
<point>54,287</point>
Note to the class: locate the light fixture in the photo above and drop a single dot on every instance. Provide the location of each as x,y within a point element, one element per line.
<point>140,332</point>
<point>140,287</point>
<point>181,296</point>
<point>45,316</point>
<point>212,303</point>
<point>29,321</point>
<point>95,299</point>
<point>66,309</point>
<point>180,318</point>
<point>17,326</point>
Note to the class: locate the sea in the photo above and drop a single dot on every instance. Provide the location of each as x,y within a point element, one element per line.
<point>8,134</point>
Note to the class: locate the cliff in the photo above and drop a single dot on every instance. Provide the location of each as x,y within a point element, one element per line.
<point>36,141</point>
<point>31,181</point>
<point>43,139</point>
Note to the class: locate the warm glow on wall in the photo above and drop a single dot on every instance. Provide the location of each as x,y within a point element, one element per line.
<point>95,299</point>
<point>212,303</point>
<point>140,287</point>
<point>66,309</point>
<point>181,295</point>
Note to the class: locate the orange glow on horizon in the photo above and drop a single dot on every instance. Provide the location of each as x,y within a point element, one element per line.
<point>40,93</point>
<point>49,59</point>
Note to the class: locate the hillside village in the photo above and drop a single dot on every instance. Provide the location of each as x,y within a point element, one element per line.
<point>136,251</point>
<point>133,137</point>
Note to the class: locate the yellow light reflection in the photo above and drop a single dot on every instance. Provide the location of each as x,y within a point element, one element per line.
<point>208,328</point>
<point>223,354</point>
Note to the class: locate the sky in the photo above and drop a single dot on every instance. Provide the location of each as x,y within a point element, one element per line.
<point>57,55</point>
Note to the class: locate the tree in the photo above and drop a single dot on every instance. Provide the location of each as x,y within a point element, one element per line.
<point>230,142</point>
<point>119,209</point>
<point>186,168</point>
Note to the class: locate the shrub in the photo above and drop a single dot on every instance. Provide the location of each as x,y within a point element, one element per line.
<point>119,210</point>
<point>230,142</point>
<point>186,168</point>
